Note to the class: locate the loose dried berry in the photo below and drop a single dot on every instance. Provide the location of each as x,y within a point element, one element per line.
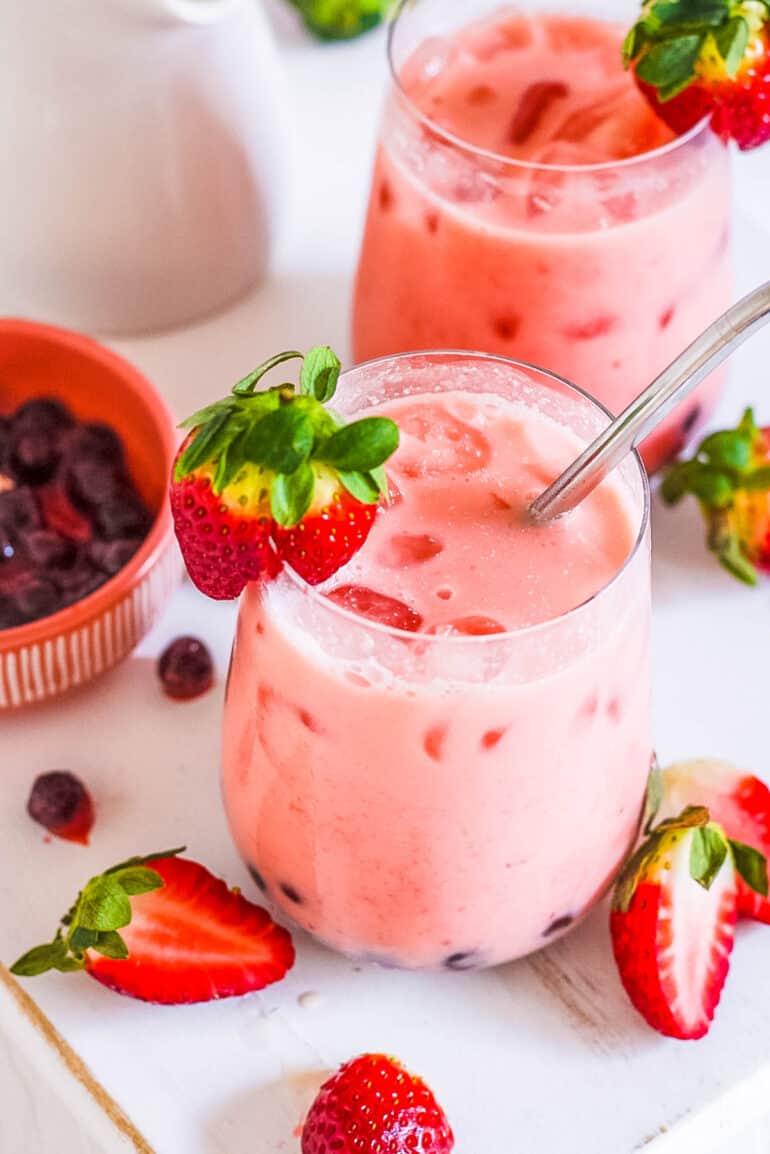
<point>185,669</point>
<point>60,802</point>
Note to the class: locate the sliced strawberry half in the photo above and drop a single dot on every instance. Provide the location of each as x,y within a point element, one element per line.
<point>373,1105</point>
<point>163,929</point>
<point>224,536</point>
<point>698,58</point>
<point>329,534</point>
<point>738,801</point>
<point>273,476</point>
<point>673,921</point>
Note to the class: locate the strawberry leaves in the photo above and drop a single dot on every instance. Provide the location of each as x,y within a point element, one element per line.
<point>291,495</point>
<point>283,432</point>
<point>707,855</point>
<point>362,446</point>
<point>751,865</point>
<point>709,850</point>
<point>101,909</point>
<point>341,19</point>
<point>673,39</point>
<point>320,373</point>
<point>727,467</point>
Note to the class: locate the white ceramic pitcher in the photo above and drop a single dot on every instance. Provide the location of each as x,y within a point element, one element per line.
<point>142,158</point>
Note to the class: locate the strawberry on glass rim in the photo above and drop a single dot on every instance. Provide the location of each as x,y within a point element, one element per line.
<point>271,477</point>
<point>673,920</point>
<point>698,58</point>
<point>163,929</point>
<point>729,474</point>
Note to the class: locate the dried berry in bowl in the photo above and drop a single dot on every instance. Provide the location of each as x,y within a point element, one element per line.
<point>100,421</point>
<point>70,515</point>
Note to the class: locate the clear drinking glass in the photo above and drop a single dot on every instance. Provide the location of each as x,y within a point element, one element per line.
<point>600,271</point>
<point>352,822</point>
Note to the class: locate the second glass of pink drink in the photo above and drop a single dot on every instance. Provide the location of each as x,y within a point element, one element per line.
<point>527,201</point>
<point>439,757</point>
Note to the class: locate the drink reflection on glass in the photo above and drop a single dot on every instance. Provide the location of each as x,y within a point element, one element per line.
<point>527,201</point>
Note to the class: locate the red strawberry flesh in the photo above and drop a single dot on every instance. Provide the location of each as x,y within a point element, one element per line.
<point>672,943</point>
<point>475,625</point>
<point>194,940</point>
<point>326,538</point>
<point>535,102</point>
<point>224,545</point>
<point>377,607</point>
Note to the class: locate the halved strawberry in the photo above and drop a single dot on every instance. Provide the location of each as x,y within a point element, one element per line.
<point>164,929</point>
<point>330,533</point>
<point>224,536</point>
<point>373,1105</point>
<point>739,802</point>
<point>694,58</point>
<point>673,920</point>
<point>729,474</point>
<point>274,476</point>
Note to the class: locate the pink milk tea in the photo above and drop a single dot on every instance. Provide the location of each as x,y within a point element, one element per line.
<point>527,201</point>
<point>440,757</point>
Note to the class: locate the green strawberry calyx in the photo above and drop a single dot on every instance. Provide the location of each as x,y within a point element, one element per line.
<point>725,465</point>
<point>709,849</point>
<point>341,19</point>
<point>290,435</point>
<point>674,42</point>
<point>100,911</point>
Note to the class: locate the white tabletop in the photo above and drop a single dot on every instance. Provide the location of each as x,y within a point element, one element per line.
<point>545,1055</point>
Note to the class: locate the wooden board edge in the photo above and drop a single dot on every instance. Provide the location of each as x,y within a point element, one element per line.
<point>74,1065</point>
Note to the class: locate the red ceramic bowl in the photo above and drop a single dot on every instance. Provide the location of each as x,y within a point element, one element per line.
<point>58,653</point>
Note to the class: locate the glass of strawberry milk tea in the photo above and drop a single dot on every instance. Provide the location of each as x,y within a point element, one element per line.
<point>438,757</point>
<point>528,201</point>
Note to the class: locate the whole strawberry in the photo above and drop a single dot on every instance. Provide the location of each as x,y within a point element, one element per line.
<point>695,58</point>
<point>373,1105</point>
<point>274,476</point>
<point>673,920</point>
<point>163,929</point>
<point>730,476</point>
